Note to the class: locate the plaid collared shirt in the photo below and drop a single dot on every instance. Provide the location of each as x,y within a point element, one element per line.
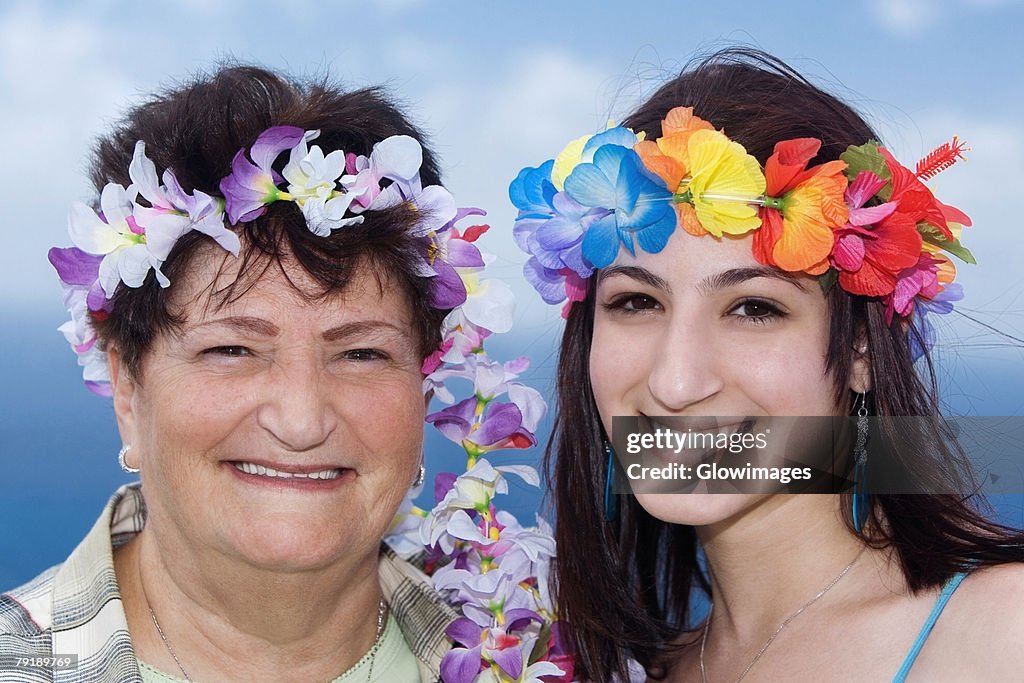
<point>75,609</point>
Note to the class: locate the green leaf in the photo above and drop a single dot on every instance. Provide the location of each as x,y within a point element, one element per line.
<point>866,157</point>
<point>828,279</point>
<point>932,235</point>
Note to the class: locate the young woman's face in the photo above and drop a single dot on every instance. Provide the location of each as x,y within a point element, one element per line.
<point>702,329</point>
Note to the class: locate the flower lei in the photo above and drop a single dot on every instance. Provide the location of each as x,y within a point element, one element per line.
<point>864,221</point>
<point>494,570</point>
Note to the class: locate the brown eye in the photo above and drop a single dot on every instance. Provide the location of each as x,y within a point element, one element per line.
<point>757,310</point>
<point>228,351</point>
<point>364,355</point>
<point>633,303</point>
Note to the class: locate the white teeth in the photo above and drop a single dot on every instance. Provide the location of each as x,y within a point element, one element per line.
<point>252,468</point>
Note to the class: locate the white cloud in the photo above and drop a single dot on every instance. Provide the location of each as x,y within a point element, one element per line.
<point>520,111</point>
<point>59,83</point>
<point>906,17</point>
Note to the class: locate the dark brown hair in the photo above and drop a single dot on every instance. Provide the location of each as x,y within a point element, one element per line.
<point>625,587</point>
<point>196,129</point>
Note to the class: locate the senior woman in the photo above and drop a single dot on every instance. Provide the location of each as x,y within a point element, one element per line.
<point>266,270</point>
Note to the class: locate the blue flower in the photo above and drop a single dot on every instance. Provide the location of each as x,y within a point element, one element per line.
<point>550,227</point>
<point>623,137</point>
<point>532,190</point>
<point>637,204</point>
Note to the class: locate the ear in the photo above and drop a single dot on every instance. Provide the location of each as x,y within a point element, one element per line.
<point>123,387</point>
<point>860,368</point>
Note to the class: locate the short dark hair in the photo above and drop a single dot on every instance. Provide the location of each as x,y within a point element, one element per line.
<point>196,128</point>
<point>624,587</point>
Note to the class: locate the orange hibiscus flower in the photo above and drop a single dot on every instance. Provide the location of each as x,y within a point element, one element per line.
<point>803,207</point>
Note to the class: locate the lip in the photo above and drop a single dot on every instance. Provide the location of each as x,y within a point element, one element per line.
<point>300,482</point>
<point>682,423</point>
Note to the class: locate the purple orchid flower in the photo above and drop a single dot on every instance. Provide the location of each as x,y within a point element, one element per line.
<point>172,212</point>
<point>78,269</point>
<point>498,645</point>
<point>500,426</point>
<point>940,304</point>
<point>446,251</point>
<point>253,184</point>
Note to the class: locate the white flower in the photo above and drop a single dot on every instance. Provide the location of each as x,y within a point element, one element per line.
<point>404,534</point>
<point>472,490</point>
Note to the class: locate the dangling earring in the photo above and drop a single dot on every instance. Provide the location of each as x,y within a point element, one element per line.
<point>611,499</point>
<point>860,498</point>
<point>124,465</point>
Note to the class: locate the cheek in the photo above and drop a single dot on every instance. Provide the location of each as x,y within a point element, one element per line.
<point>388,420</point>
<point>786,376</point>
<point>617,366</point>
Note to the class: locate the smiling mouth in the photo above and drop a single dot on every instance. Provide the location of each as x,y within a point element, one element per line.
<point>269,472</point>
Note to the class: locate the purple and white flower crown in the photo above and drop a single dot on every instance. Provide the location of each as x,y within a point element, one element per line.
<point>137,227</point>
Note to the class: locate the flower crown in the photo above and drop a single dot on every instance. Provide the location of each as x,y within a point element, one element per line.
<point>865,221</point>
<point>138,226</point>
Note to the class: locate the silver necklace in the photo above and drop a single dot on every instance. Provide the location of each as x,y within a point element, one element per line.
<point>381,610</point>
<point>783,625</point>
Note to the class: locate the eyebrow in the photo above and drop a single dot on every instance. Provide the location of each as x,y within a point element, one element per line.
<point>711,283</point>
<point>637,273</point>
<point>736,276</point>
<point>361,327</point>
<point>264,328</point>
<point>243,323</point>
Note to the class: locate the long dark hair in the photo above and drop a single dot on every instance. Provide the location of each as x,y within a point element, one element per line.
<point>625,587</point>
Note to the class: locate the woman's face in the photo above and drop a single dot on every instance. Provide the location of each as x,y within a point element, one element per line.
<point>702,329</point>
<point>324,393</point>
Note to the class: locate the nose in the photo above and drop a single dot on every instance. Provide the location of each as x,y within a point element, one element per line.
<point>297,407</point>
<point>686,370</point>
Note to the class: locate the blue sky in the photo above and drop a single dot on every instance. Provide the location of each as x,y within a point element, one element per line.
<point>497,86</point>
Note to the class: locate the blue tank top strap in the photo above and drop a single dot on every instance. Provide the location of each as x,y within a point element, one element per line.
<point>929,624</point>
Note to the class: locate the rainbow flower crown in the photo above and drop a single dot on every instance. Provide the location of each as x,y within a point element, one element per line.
<point>864,221</point>
<point>137,227</point>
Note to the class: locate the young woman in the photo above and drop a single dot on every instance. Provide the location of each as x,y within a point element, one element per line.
<point>754,251</point>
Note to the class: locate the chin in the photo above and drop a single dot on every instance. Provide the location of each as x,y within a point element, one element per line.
<point>301,546</point>
<point>697,509</point>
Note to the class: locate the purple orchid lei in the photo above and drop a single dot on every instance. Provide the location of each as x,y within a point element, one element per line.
<point>491,568</point>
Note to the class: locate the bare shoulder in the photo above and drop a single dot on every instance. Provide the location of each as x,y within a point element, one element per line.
<point>999,591</point>
<point>986,617</point>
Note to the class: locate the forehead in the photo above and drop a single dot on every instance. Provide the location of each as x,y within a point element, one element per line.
<point>687,256</point>
<point>214,282</point>
<point>707,265</point>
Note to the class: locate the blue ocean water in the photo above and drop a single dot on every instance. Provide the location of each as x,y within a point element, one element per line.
<point>58,443</point>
